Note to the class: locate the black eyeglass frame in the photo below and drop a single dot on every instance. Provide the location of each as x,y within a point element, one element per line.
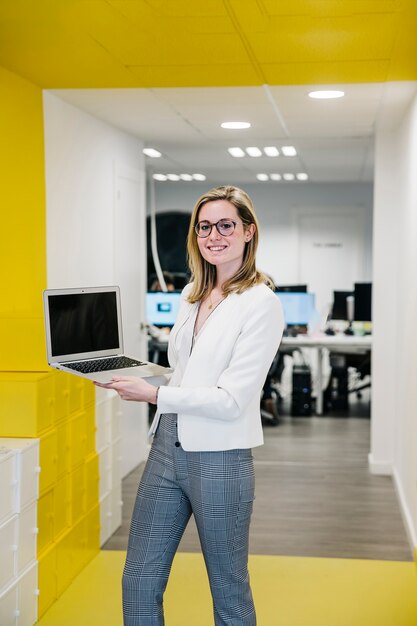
<point>216,224</point>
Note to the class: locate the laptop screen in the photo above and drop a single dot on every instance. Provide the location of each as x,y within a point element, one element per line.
<point>83,323</point>
<point>162,307</point>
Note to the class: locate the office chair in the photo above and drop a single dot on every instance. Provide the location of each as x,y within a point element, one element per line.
<point>340,386</point>
<point>362,365</point>
<point>271,398</point>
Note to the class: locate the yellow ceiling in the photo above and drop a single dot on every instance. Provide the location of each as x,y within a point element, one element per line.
<point>191,43</point>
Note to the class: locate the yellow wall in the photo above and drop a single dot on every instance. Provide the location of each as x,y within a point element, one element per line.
<point>23,236</point>
<point>35,401</point>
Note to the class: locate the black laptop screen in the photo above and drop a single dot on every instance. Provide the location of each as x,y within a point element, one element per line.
<point>83,322</point>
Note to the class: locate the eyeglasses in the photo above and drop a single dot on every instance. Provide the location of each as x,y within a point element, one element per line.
<point>224,227</point>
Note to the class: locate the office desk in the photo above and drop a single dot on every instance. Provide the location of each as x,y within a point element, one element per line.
<point>344,344</point>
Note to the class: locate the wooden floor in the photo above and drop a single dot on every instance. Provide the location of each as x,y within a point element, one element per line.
<point>314,494</point>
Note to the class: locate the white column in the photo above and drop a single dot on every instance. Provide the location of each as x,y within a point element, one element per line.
<point>394,359</point>
<point>386,249</point>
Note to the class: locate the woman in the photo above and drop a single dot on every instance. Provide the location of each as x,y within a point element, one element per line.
<point>208,418</point>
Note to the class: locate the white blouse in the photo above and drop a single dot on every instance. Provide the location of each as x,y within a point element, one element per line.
<point>215,388</point>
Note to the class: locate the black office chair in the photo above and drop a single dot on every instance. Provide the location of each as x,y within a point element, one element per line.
<point>271,399</point>
<point>336,395</point>
<point>362,364</point>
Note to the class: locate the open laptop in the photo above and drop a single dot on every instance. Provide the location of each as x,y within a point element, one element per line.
<point>84,335</point>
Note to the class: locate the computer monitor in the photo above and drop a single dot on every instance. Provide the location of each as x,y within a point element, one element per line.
<point>293,288</point>
<point>162,307</point>
<point>363,302</point>
<point>340,308</point>
<point>299,307</point>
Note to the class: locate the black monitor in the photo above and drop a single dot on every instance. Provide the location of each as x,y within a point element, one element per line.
<point>363,302</point>
<point>293,288</point>
<point>339,308</point>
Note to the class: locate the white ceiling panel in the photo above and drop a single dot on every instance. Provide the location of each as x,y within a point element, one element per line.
<point>334,139</point>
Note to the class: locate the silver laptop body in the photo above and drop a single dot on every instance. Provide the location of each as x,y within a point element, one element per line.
<point>84,330</point>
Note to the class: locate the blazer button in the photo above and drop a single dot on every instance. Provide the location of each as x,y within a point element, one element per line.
<point>177,444</point>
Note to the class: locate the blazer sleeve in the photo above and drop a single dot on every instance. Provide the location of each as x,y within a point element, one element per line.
<point>242,378</point>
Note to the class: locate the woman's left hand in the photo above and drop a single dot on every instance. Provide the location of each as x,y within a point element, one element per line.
<point>132,388</point>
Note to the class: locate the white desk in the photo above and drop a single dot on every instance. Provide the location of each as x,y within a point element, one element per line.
<point>345,344</point>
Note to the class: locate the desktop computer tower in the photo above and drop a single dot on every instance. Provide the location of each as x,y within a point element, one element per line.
<point>336,395</point>
<point>338,389</point>
<point>301,391</point>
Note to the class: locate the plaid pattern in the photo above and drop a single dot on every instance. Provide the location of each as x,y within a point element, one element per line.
<point>218,489</point>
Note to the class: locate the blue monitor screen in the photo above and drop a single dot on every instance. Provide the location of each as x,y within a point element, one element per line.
<point>299,308</point>
<point>162,307</point>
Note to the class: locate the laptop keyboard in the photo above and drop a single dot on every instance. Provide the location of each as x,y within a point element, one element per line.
<point>103,365</point>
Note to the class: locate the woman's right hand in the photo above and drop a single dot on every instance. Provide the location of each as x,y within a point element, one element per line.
<point>131,388</point>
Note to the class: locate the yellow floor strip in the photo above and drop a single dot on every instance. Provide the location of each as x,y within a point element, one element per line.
<point>288,591</point>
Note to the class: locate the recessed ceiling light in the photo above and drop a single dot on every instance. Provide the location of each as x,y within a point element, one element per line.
<point>275,176</point>
<point>199,177</point>
<point>289,151</point>
<point>326,94</point>
<point>159,176</point>
<point>151,152</point>
<point>302,176</point>
<point>253,151</point>
<point>236,152</point>
<point>187,177</point>
<point>271,151</point>
<point>262,177</point>
<point>173,177</point>
<point>235,125</point>
<point>288,176</point>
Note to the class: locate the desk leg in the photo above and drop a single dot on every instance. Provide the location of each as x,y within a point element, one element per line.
<point>319,398</point>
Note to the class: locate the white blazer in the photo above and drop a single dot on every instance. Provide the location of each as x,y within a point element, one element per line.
<point>218,400</point>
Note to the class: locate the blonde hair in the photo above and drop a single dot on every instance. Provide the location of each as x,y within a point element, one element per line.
<point>203,273</point>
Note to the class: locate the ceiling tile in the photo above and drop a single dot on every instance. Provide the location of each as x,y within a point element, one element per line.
<point>177,8</point>
<point>255,60</point>
<point>224,75</point>
<point>329,7</point>
<point>326,73</point>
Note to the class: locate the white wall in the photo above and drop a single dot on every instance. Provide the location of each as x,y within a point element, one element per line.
<point>277,207</point>
<point>89,164</point>
<point>394,359</point>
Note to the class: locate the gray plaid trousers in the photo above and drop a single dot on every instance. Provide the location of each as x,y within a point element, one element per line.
<point>218,489</point>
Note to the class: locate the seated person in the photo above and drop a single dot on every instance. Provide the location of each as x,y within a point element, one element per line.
<point>169,281</point>
<point>161,333</point>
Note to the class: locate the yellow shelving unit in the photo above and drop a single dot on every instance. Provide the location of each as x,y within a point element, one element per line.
<point>58,410</point>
